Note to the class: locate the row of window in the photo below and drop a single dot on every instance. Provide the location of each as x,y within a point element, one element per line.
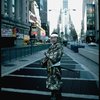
<point>6,9</point>
<point>90,17</point>
<point>9,31</point>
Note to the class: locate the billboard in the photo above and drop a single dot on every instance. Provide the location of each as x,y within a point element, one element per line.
<point>32,17</point>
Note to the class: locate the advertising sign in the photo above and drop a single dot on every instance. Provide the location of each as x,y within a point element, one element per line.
<point>6,32</point>
<point>32,17</point>
<point>34,31</point>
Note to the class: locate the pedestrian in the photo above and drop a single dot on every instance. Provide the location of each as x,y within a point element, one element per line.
<point>52,62</point>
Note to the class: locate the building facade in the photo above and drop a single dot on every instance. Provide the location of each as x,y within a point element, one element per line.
<point>38,22</point>
<point>43,15</point>
<point>14,21</point>
<point>63,20</point>
<point>90,21</point>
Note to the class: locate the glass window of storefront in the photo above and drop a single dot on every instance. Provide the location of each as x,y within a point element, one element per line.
<point>6,30</point>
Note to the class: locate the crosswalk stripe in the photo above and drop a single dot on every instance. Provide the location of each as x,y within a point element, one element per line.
<point>72,95</point>
<point>63,78</point>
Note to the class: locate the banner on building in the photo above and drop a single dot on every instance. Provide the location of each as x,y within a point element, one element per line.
<point>34,32</point>
<point>32,17</point>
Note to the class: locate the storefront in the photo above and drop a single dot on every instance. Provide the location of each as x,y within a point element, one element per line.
<point>12,32</point>
<point>91,24</point>
<point>8,35</point>
<point>36,30</point>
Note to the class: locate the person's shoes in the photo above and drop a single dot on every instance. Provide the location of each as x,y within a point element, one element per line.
<point>56,95</point>
<point>53,98</point>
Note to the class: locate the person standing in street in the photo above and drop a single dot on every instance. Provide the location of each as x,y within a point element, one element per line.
<point>52,62</point>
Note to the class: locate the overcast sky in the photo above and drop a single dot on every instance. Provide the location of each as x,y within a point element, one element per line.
<point>76,16</point>
<point>54,6</point>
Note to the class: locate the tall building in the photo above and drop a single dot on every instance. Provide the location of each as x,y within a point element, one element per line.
<point>38,31</point>
<point>97,20</point>
<point>65,18</point>
<point>90,20</point>
<point>14,20</point>
<point>43,15</point>
<point>65,4</point>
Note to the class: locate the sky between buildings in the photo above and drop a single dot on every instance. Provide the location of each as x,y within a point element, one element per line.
<point>76,16</point>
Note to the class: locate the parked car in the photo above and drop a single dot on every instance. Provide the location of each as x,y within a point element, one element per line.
<point>92,44</point>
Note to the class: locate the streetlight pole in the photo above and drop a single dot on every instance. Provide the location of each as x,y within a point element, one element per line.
<point>53,17</point>
<point>60,13</point>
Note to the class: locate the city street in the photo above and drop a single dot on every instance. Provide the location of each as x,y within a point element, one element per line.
<point>28,80</point>
<point>34,29</point>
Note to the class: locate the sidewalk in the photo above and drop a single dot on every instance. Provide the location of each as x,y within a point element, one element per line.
<point>13,65</point>
<point>87,63</point>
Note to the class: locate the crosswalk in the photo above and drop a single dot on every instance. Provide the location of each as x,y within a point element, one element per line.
<point>29,82</point>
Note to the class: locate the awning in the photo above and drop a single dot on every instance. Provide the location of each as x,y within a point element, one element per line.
<point>40,27</point>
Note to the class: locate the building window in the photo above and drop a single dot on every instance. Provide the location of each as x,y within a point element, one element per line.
<point>13,8</point>
<point>5,8</point>
<point>90,17</point>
